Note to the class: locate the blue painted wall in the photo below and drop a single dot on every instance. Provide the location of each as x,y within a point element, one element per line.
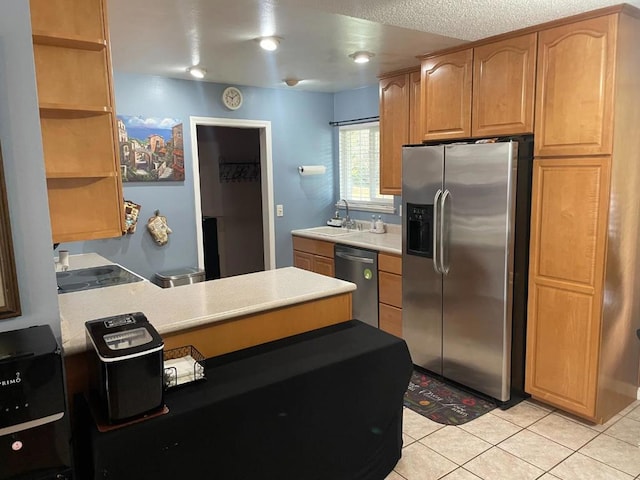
<point>24,172</point>
<point>301,135</point>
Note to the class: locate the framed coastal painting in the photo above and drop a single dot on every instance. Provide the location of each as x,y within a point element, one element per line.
<point>151,149</point>
<point>9,295</point>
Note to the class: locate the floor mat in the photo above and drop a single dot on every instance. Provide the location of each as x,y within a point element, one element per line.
<point>443,403</point>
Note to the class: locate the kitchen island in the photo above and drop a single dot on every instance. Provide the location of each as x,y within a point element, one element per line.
<point>319,377</point>
<point>216,317</point>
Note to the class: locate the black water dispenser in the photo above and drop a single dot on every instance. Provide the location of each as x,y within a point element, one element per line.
<point>35,439</point>
<point>419,229</point>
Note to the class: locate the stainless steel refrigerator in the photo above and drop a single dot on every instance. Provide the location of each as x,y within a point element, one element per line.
<point>463,273</point>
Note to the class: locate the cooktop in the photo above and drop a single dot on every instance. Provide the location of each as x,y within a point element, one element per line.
<point>94,277</point>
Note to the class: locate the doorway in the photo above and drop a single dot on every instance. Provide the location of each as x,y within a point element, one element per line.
<point>233,195</point>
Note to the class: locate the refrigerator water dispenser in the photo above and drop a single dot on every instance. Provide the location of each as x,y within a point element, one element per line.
<point>420,230</point>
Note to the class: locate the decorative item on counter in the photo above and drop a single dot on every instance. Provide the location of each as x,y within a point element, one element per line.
<point>131,211</point>
<point>380,227</point>
<point>159,229</point>
<point>335,221</point>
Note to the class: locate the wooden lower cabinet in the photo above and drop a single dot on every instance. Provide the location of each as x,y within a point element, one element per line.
<point>317,256</point>
<point>391,319</point>
<point>323,265</point>
<point>390,288</point>
<point>313,255</point>
<point>390,293</point>
<point>303,260</point>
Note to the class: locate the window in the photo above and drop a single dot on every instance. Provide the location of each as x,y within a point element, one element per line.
<point>359,150</point>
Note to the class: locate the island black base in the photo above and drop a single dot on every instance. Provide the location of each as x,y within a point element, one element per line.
<point>323,405</point>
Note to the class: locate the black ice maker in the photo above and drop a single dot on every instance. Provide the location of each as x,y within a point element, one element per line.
<point>127,381</point>
<point>34,430</point>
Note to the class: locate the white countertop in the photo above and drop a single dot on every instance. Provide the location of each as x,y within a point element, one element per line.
<point>389,242</point>
<point>179,308</point>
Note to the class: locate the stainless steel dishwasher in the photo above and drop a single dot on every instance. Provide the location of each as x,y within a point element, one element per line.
<point>360,266</point>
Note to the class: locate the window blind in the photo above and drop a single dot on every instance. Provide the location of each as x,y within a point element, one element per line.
<point>359,150</point>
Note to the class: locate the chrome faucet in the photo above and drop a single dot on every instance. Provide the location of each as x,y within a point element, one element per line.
<point>347,222</point>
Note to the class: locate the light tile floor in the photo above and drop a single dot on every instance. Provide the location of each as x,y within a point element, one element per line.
<point>529,441</point>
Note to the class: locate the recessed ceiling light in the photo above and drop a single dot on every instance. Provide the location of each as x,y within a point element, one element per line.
<point>197,71</point>
<point>291,82</point>
<point>269,43</point>
<point>361,57</point>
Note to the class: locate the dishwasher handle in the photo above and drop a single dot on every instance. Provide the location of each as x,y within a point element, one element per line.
<point>353,258</point>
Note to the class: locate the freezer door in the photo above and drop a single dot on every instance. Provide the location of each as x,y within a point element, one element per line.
<point>478,216</point>
<point>422,183</point>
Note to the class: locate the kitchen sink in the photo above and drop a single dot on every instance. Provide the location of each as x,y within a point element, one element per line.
<point>331,231</point>
<point>94,277</point>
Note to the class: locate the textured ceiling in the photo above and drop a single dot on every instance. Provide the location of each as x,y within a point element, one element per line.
<point>464,19</point>
<point>164,37</point>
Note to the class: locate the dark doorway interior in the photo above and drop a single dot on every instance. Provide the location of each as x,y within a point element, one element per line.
<point>231,200</point>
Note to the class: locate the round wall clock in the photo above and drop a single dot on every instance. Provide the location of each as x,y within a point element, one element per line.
<point>232,98</point>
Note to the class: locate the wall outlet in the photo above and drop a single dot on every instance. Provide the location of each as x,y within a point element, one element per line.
<point>279,211</point>
<point>400,210</point>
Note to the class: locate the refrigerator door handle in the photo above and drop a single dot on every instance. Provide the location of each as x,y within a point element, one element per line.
<point>444,258</point>
<point>436,231</point>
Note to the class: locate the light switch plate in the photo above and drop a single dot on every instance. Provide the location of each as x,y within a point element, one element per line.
<point>279,211</point>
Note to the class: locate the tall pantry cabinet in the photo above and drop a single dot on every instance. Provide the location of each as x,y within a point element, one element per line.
<point>77,118</point>
<point>584,305</point>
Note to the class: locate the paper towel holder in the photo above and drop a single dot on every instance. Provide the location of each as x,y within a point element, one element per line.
<point>311,170</point>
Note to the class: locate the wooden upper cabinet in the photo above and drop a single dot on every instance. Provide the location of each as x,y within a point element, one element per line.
<point>574,105</point>
<point>446,95</point>
<point>415,118</point>
<point>504,86</point>
<point>70,19</point>
<point>394,131</point>
<point>75,95</point>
